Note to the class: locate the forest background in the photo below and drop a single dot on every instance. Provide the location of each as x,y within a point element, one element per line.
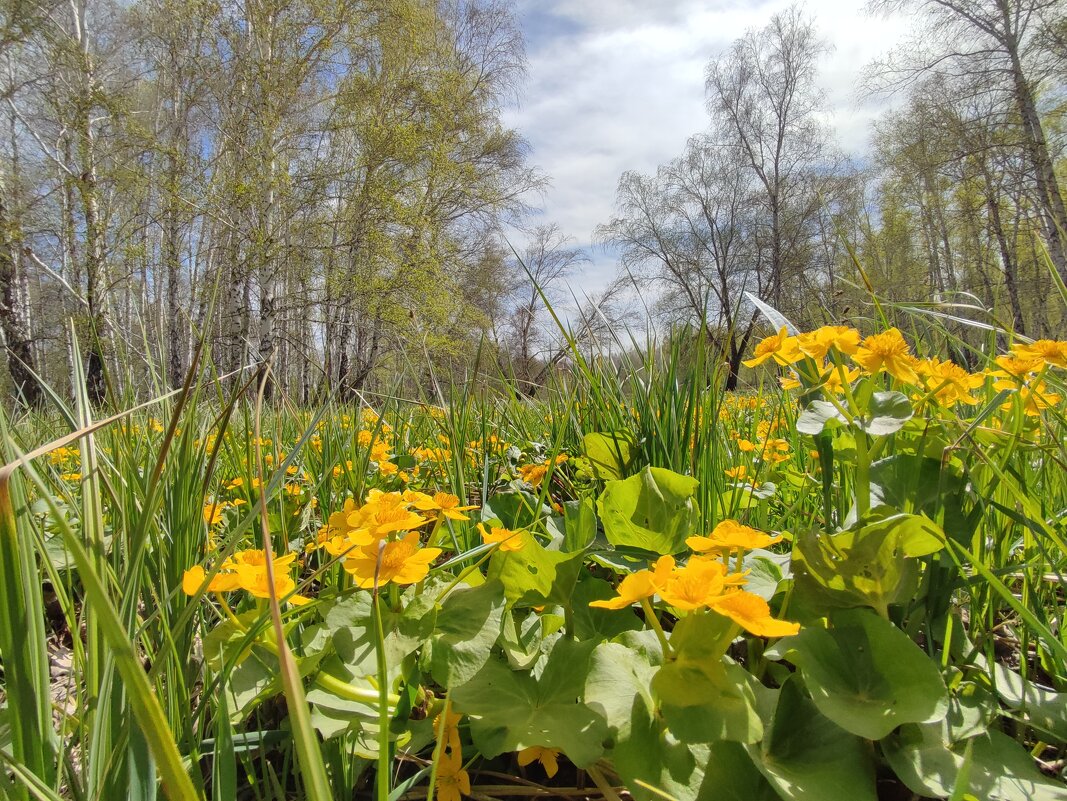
<point>333,185</point>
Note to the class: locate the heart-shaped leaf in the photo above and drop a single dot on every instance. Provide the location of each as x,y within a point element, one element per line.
<point>653,510</point>
<point>866,675</point>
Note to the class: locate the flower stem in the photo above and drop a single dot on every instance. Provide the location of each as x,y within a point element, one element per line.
<point>382,780</point>
<point>438,750</point>
<point>650,616</point>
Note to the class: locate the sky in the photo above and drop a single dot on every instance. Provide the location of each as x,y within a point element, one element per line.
<point>616,85</point>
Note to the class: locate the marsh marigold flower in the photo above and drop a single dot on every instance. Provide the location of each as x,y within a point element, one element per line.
<point>729,535</point>
<point>255,582</point>
<point>638,586</point>
<point>817,344</point>
<point>453,782</point>
<point>400,562</point>
<point>752,613</point>
<point>548,757</point>
<point>1050,351</point>
<point>213,512</point>
<point>507,539</point>
<point>887,351</point>
<point>447,729</point>
<point>1035,397</point>
<point>193,579</point>
<point>1012,371</point>
<point>834,378</point>
<point>696,585</point>
<point>447,505</point>
<point>255,557</point>
<point>739,473</point>
<point>949,382</point>
<point>781,347</point>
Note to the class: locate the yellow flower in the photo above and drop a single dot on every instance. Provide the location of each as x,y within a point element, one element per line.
<point>447,505</point>
<point>235,484</point>
<point>337,523</point>
<point>1012,371</point>
<point>194,577</point>
<point>343,544</point>
<point>213,512</point>
<point>533,474</point>
<point>789,382</point>
<point>439,455</point>
<point>739,473</point>
<point>729,535</point>
<point>781,347</point>
<point>253,580</point>
<point>448,729</point>
<point>400,562</point>
<point>753,614</point>
<point>548,757</point>
<point>695,585</point>
<point>452,780</point>
<point>889,352</point>
<point>508,540</point>
<point>1050,351</point>
<point>71,476</point>
<point>817,343</point>
<point>388,468</point>
<point>834,378</point>
<point>745,446</point>
<point>255,557</point>
<point>1035,397</point>
<point>638,586</point>
<point>383,521</point>
<point>949,382</point>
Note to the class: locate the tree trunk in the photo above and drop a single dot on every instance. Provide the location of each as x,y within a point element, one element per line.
<point>172,260</point>
<point>1053,212</point>
<point>14,313</point>
<point>1008,264</point>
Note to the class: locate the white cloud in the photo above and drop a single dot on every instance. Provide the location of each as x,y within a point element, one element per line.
<point>618,85</point>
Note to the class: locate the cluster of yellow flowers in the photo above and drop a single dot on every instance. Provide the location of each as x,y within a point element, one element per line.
<point>534,474</point>
<point>378,542</point>
<point>69,461</point>
<point>247,570</point>
<point>478,450</point>
<point>765,446</point>
<point>888,352</point>
<point>369,536</point>
<point>1023,372</point>
<point>705,582</point>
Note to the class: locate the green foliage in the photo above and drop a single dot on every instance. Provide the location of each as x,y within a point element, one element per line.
<point>513,709</point>
<point>913,553</point>
<point>873,563</point>
<point>866,675</point>
<point>806,756</point>
<point>651,511</point>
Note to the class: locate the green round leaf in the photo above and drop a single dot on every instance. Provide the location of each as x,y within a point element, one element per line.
<point>992,767</point>
<point>653,510</point>
<point>806,757</point>
<point>868,676</point>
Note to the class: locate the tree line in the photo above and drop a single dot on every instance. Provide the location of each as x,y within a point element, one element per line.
<point>959,203</point>
<point>327,185</point>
